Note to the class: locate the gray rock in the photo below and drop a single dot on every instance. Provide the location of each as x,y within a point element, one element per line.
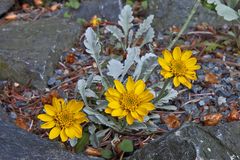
<point>175,12</point>
<point>193,142</point>
<point>5,5</point>
<point>106,9</point>
<point>29,50</point>
<point>16,144</point>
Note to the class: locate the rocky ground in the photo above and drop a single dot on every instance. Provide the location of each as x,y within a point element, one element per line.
<point>41,56</point>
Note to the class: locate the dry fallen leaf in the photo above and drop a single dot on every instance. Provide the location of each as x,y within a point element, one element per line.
<point>172,121</point>
<point>38,2</point>
<point>11,16</point>
<point>212,119</point>
<point>211,78</point>
<point>70,58</point>
<point>55,7</point>
<point>233,116</point>
<point>93,152</point>
<point>20,122</point>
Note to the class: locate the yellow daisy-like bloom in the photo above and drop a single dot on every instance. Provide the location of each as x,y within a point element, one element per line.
<point>179,65</point>
<point>95,21</point>
<point>64,119</point>
<point>132,102</point>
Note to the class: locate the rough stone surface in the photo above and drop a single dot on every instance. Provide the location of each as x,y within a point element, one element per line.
<point>193,142</point>
<point>29,50</point>
<point>5,5</point>
<point>175,12</point>
<point>106,9</point>
<point>17,144</point>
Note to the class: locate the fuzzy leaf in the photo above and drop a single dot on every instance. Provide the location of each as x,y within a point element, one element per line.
<point>144,27</point>
<point>143,64</point>
<point>167,107</point>
<point>148,37</point>
<point>133,53</point>
<point>130,38</point>
<point>81,86</point>
<point>92,44</point>
<point>115,68</point>
<point>137,126</point>
<point>116,32</point>
<point>90,93</point>
<point>125,19</point>
<point>73,142</point>
<point>170,96</point>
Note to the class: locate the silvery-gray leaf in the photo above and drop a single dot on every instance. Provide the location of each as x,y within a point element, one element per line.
<point>232,3</point>
<point>167,107</point>
<point>97,79</point>
<point>148,37</point>
<point>81,86</point>
<point>116,32</point>
<point>94,140</point>
<point>115,68</point>
<point>132,53</point>
<point>228,13</point>
<point>130,38</point>
<point>73,141</point>
<point>154,116</point>
<point>152,126</point>
<point>90,93</point>
<point>137,126</point>
<point>92,44</point>
<point>101,105</point>
<point>89,81</point>
<point>92,129</point>
<point>100,134</point>
<point>170,96</point>
<point>125,19</point>
<point>144,26</point>
<point>144,61</point>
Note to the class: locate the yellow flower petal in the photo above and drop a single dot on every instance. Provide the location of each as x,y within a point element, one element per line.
<point>185,82</point>
<point>114,105</point>
<point>78,131</point>
<point>44,117</point>
<point>139,87</point>
<point>177,53</point>
<point>146,96</point>
<point>114,92</point>
<point>191,76</point>
<point>135,115</point>
<point>176,82</point>
<point>50,110</point>
<point>108,110</point>
<point>191,62</point>
<point>79,115</point>
<point>142,111</point>
<point>166,74</point>
<point>163,64</point>
<point>54,133</point>
<point>147,106</point>
<point>167,55</point>
<point>130,84</point>
<point>75,106</point>
<point>70,132</point>
<point>63,135</point>
<point>48,125</point>
<point>119,86</point>
<point>117,112</point>
<point>140,119</point>
<point>186,55</point>
<point>129,119</point>
<point>196,67</point>
<point>58,103</point>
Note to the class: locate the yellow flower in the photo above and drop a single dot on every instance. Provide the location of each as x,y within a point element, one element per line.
<point>179,65</point>
<point>132,102</point>
<point>95,21</point>
<point>64,119</point>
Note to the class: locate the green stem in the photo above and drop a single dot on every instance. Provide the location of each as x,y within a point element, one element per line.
<point>162,90</point>
<point>104,82</point>
<point>193,11</point>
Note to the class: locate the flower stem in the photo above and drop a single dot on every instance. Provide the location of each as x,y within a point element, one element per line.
<point>193,11</point>
<point>162,90</point>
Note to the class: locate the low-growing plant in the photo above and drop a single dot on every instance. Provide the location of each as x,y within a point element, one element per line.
<point>125,101</point>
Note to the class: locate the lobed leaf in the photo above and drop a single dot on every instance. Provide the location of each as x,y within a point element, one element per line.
<point>125,19</point>
<point>144,27</point>
<point>115,68</point>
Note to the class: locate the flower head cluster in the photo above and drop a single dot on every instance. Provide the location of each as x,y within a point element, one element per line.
<point>64,119</point>
<point>179,65</point>
<point>132,101</point>
<point>95,21</point>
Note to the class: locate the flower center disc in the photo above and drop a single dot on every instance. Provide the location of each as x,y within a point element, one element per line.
<point>178,67</point>
<point>129,101</point>
<point>64,119</point>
